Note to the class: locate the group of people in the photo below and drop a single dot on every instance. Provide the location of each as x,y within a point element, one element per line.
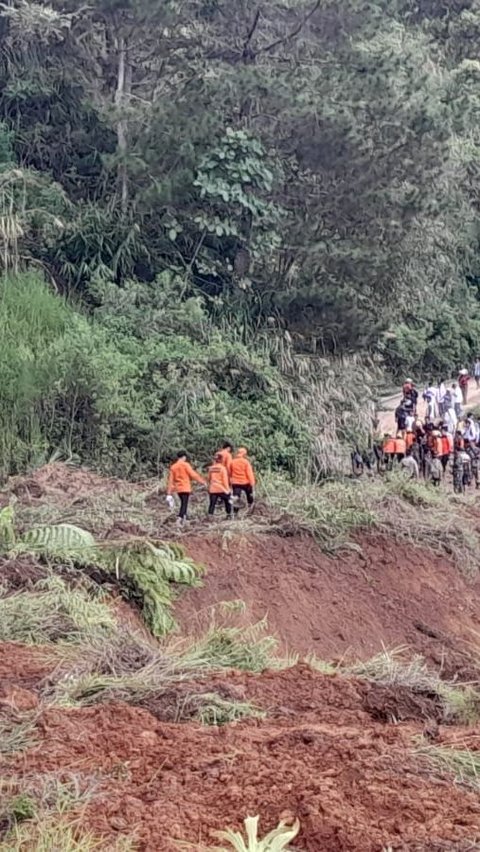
<point>228,477</point>
<point>448,433</point>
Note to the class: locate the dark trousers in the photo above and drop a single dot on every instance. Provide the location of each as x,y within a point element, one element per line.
<point>184,498</point>
<point>223,498</point>
<point>247,490</point>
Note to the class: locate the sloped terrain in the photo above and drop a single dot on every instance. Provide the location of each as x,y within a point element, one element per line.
<point>143,731</point>
<point>384,594</point>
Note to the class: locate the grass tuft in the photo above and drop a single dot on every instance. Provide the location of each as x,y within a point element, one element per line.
<point>461,703</point>
<point>215,710</point>
<point>464,764</point>
<point>53,612</point>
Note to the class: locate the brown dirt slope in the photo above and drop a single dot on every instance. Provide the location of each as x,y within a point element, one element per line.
<point>387,595</point>
<point>355,784</point>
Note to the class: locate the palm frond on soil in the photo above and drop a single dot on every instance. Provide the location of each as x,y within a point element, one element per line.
<point>146,568</point>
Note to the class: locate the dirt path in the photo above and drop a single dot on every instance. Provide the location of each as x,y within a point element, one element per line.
<point>388,404</point>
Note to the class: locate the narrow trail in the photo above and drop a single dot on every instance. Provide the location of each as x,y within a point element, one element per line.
<point>386,413</point>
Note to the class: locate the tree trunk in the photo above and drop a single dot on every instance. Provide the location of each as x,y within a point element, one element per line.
<point>124,82</point>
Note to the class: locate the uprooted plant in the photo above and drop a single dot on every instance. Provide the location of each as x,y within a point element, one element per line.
<point>459,702</point>
<point>146,570</point>
<point>277,840</point>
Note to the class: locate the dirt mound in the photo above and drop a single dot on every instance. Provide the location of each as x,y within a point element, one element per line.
<point>21,572</point>
<point>385,596</point>
<point>354,784</point>
<point>24,666</point>
<point>302,693</point>
<point>64,483</point>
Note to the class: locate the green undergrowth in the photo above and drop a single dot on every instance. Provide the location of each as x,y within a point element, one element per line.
<point>53,612</point>
<point>129,668</point>
<point>463,763</point>
<point>146,571</point>
<point>395,668</point>
<point>42,813</point>
<point>212,709</point>
<point>17,734</point>
<point>391,506</point>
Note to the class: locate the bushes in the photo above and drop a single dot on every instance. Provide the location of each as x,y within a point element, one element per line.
<point>125,390</point>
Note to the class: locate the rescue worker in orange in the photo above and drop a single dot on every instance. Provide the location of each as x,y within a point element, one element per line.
<point>219,486</point>
<point>180,478</point>
<point>242,476</point>
<point>389,450</point>
<point>226,454</point>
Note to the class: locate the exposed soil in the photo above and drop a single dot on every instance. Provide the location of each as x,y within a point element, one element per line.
<point>64,483</point>
<point>355,784</point>
<point>389,595</point>
<point>336,752</point>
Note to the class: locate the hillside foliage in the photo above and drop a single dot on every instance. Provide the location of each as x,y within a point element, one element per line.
<point>212,211</point>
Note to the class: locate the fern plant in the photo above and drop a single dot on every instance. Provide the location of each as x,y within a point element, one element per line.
<point>277,840</point>
<point>148,569</point>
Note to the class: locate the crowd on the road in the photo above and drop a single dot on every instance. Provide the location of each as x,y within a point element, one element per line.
<point>228,478</point>
<point>446,438</point>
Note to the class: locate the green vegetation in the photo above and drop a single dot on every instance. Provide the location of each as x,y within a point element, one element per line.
<point>189,255</point>
<point>276,840</point>
<point>212,709</point>
<point>53,612</point>
<point>393,507</point>
<point>144,570</point>
<point>460,702</point>
<point>46,817</point>
<point>464,764</point>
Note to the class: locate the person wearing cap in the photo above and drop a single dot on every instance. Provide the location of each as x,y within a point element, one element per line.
<point>242,477</point>
<point>463,380</point>
<point>180,478</point>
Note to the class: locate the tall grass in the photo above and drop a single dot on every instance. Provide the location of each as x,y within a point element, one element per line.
<point>392,506</point>
<point>464,764</point>
<point>32,322</point>
<point>460,702</point>
<point>53,612</point>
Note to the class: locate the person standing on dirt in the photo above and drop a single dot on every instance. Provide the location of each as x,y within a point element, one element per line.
<point>219,486</point>
<point>463,380</point>
<point>435,470</point>
<point>388,450</point>
<point>446,446</point>
<point>242,477</point>
<point>401,416</point>
<point>180,478</point>
<point>226,454</point>
<point>457,398</point>
<point>474,455</point>
<point>430,396</point>
<point>442,390</point>
<point>410,465</point>
<point>476,372</point>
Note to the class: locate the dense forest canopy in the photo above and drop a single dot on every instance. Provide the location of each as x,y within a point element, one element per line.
<point>215,214</point>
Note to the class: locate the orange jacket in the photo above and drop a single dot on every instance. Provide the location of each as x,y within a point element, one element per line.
<point>218,479</point>
<point>226,459</point>
<point>242,471</point>
<point>409,439</point>
<point>180,478</point>
<point>389,446</point>
<point>400,446</point>
<point>438,446</point>
<point>447,445</point>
